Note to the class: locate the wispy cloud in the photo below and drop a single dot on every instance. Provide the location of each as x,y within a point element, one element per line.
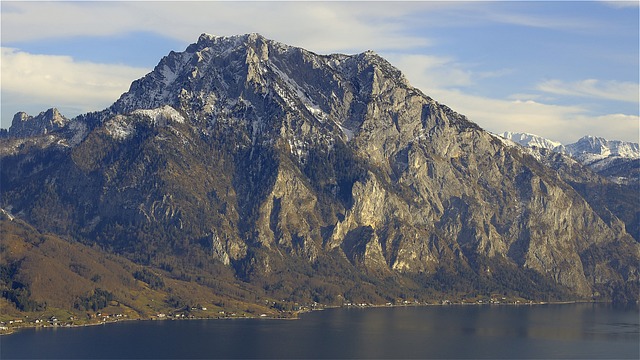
<point>322,27</point>
<point>521,112</point>
<point>563,123</point>
<point>441,71</point>
<point>60,81</point>
<point>622,4</point>
<point>435,71</point>
<point>593,88</point>
<point>543,21</point>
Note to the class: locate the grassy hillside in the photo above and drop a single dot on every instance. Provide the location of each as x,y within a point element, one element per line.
<point>43,276</point>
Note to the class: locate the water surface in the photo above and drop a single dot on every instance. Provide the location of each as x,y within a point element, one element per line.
<point>442,332</point>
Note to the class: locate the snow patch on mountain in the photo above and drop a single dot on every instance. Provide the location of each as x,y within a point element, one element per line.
<point>300,94</point>
<point>168,75</point>
<point>590,149</point>
<point>504,140</point>
<point>119,127</point>
<point>532,140</point>
<point>80,132</point>
<point>161,116</point>
<point>347,132</point>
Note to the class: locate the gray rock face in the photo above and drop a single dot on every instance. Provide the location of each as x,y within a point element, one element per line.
<point>614,194</point>
<point>24,125</point>
<point>272,160</point>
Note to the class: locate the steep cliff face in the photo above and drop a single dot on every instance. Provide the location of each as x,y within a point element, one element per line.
<point>277,162</point>
<point>614,194</point>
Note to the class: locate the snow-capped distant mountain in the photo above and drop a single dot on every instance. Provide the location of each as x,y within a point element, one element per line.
<point>598,147</point>
<point>590,149</point>
<point>532,140</point>
<point>615,159</point>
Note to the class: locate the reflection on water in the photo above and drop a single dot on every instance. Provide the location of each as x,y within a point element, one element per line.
<point>549,331</point>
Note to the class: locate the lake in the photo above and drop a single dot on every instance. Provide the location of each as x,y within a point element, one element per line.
<point>443,332</point>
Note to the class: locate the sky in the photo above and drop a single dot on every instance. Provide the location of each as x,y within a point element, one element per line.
<point>557,69</point>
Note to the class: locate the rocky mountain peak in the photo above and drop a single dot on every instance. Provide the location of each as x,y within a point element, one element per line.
<point>265,86</point>
<point>614,159</point>
<point>25,125</point>
<point>250,57</point>
<point>225,43</point>
<point>600,146</point>
<point>589,146</point>
<point>20,117</point>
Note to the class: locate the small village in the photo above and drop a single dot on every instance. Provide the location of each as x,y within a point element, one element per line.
<point>281,310</point>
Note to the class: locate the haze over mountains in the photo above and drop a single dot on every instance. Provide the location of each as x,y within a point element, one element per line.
<point>243,163</point>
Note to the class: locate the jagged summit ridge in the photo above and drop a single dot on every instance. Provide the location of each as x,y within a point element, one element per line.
<point>217,78</point>
<point>617,160</point>
<point>25,125</point>
<point>251,57</point>
<point>599,146</point>
<point>587,145</point>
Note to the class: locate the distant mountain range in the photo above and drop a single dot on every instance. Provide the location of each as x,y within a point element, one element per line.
<point>246,171</point>
<point>617,160</point>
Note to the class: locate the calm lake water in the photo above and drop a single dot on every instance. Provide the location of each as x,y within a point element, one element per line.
<point>542,331</point>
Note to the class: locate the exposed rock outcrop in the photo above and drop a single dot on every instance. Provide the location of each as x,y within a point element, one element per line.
<point>24,125</point>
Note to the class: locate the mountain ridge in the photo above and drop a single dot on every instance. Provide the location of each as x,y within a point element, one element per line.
<point>617,160</point>
<point>587,144</point>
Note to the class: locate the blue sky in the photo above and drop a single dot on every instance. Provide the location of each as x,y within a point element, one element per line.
<point>557,69</point>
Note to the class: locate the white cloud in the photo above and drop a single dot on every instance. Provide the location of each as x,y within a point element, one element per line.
<point>592,88</point>
<point>434,71</point>
<point>562,123</point>
<point>519,113</point>
<point>318,26</point>
<point>24,21</point>
<point>61,82</point>
<point>441,72</point>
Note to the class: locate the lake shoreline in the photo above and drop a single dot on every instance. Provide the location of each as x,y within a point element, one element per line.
<point>539,331</point>
<point>296,314</point>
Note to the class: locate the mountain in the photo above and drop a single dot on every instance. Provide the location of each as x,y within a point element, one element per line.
<point>25,125</point>
<point>612,199</point>
<point>532,140</point>
<point>597,148</point>
<point>313,178</point>
<point>616,160</point>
